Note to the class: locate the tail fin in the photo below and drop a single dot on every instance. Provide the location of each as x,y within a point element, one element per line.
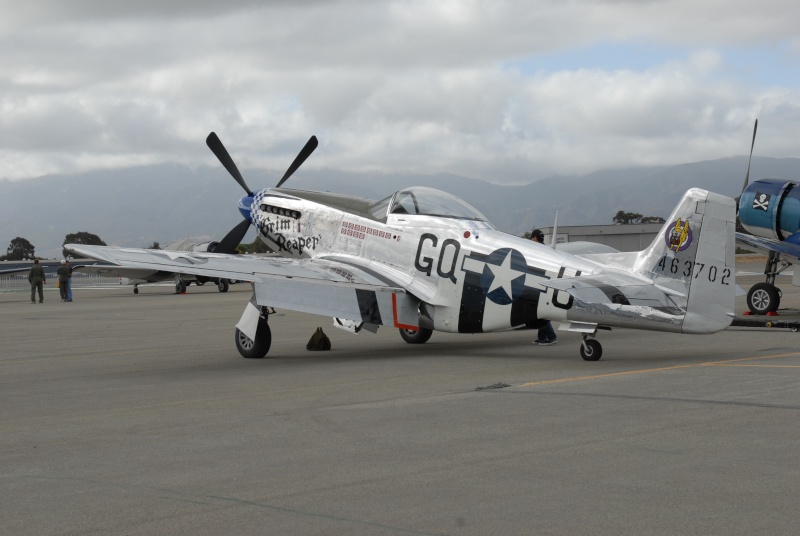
<point>693,258</point>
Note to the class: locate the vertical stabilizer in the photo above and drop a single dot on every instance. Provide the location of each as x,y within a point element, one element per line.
<point>693,258</point>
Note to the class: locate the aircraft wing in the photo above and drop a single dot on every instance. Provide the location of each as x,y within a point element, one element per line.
<point>119,271</point>
<point>13,271</point>
<point>318,286</point>
<point>785,248</point>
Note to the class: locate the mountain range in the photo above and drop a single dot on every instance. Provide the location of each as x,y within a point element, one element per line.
<point>162,203</point>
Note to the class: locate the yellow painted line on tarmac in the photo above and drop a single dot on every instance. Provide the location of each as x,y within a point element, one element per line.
<point>727,362</point>
<point>757,366</point>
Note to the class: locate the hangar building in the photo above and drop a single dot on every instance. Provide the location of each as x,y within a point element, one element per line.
<point>624,237</point>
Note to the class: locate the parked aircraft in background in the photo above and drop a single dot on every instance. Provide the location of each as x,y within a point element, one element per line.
<point>138,276</point>
<point>421,260</point>
<point>14,271</point>
<point>769,210</point>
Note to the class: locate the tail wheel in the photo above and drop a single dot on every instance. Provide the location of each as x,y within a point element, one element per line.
<point>222,285</point>
<point>591,350</point>
<point>416,336</point>
<point>763,298</point>
<point>258,348</point>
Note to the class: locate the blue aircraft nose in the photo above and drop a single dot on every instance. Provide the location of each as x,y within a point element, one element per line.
<point>244,207</point>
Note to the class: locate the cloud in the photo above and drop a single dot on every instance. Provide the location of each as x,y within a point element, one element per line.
<point>470,87</point>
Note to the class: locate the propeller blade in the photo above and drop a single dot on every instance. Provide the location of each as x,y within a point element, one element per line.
<point>233,238</point>
<point>225,159</point>
<point>752,144</point>
<point>311,144</point>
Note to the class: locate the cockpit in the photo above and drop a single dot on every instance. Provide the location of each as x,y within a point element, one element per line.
<point>423,201</point>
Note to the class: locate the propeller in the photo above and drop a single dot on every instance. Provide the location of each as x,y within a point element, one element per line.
<point>233,238</point>
<point>304,153</point>
<point>752,144</point>
<point>746,177</point>
<point>225,159</point>
<point>236,235</point>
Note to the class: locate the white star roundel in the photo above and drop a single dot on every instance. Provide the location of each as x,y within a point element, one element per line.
<point>503,277</point>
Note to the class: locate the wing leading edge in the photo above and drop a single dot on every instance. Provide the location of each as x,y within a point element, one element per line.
<point>323,287</point>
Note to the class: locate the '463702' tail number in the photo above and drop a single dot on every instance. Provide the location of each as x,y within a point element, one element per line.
<point>687,268</point>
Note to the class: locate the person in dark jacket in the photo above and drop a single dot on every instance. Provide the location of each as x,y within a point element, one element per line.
<point>37,280</point>
<point>63,280</point>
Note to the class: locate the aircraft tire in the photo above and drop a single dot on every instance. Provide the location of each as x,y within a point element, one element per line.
<point>222,285</point>
<point>255,349</point>
<point>136,290</point>
<point>180,287</point>
<point>416,336</point>
<point>199,283</point>
<point>763,298</point>
<point>591,350</point>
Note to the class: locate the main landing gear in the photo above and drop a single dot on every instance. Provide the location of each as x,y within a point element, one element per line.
<point>764,298</point>
<point>591,350</point>
<point>416,336</point>
<point>258,348</point>
<point>222,285</point>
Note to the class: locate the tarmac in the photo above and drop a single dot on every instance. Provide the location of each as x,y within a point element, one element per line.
<point>135,414</point>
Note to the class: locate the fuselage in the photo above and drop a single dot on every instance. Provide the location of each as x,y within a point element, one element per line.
<point>469,276</point>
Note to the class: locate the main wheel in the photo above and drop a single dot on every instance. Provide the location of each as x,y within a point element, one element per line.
<point>180,287</point>
<point>255,349</point>
<point>763,298</point>
<point>591,350</point>
<point>222,285</point>
<point>416,336</point>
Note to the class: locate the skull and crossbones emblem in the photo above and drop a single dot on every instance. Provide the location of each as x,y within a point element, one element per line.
<point>761,201</point>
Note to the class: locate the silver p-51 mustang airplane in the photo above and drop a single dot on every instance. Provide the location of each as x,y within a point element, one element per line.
<point>421,260</point>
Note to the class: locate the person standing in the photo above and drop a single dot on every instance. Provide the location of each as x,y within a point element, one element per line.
<point>69,282</point>
<point>37,280</point>
<point>546,335</point>
<point>63,279</point>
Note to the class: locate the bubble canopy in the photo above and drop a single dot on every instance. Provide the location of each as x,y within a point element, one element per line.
<point>424,201</point>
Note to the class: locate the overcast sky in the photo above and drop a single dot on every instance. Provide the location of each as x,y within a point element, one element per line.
<point>505,91</point>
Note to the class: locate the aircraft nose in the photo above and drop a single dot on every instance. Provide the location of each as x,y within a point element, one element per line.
<point>244,207</point>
